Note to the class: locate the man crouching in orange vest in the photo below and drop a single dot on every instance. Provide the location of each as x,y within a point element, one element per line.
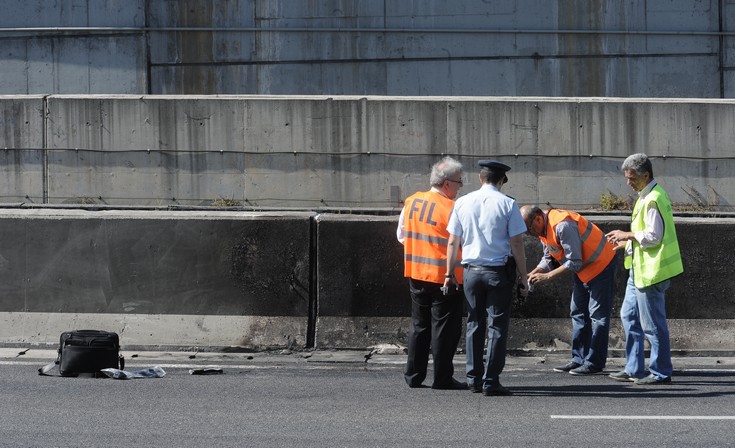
<point>574,245</point>
<point>436,314</point>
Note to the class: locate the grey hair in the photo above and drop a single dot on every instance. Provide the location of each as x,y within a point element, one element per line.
<point>639,163</point>
<point>530,212</point>
<point>444,169</point>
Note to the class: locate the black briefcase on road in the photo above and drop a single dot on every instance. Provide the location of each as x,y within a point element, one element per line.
<point>86,351</point>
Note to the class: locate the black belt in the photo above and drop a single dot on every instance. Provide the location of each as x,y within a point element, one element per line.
<point>473,267</point>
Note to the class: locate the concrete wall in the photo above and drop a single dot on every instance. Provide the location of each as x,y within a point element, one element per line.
<point>39,58</point>
<point>219,280</point>
<point>371,292</point>
<point>310,152</point>
<point>613,48</point>
<point>189,272</point>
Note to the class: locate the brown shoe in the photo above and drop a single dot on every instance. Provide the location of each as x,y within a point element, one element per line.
<point>621,376</point>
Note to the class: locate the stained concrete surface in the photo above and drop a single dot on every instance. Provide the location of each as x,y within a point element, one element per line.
<point>259,281</point>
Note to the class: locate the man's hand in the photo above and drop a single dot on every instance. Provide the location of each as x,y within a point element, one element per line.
<point>523,289</point>
<point>536,277</point>
<point>451,280</point>
<point>618,237</point>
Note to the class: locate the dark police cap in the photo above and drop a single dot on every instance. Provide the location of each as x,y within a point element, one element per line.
<point>494,165</point>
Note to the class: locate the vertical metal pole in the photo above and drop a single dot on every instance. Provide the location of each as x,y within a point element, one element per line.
<point>146,38</point>
<point>313,284</point>
<point>722,49</point>
<point>44,150</point>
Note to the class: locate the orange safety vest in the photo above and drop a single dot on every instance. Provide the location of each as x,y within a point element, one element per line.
<point>425,218</point>
<point>596,251</point>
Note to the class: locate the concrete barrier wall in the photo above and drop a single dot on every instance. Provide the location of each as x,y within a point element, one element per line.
<point>367,305</point>
<point>224,280</point>
<point>354,152</point>
<point>214,278</point>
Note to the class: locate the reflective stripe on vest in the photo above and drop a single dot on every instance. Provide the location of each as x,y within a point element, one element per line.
<point>425,218</point>
<point>653,265</point>
<point>596,251</point>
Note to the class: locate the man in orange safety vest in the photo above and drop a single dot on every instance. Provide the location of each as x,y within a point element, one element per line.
<point>573,245</point>
<point>436,313</point>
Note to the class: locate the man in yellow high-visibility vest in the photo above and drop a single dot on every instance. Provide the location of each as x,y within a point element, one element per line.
<point>652,255</point>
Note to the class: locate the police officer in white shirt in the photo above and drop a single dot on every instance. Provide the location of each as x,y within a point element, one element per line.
<point>489,227</point>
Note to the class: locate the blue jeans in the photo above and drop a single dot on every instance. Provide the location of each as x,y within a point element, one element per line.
<point>590,311</point>
<point>489,295</point>
<point>644,316</point>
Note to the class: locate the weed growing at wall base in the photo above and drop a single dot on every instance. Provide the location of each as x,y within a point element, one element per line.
<point>609,201</point>
<point>225,202</point>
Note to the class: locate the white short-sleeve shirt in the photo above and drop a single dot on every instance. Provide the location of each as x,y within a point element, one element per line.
<point>486,220</point>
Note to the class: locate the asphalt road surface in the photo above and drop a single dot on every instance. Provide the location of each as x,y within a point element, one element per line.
<point>340,400</point>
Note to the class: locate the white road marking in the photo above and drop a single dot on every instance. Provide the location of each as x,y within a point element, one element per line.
<point>644,417</point>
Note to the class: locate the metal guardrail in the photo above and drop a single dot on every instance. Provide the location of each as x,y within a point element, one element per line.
<point>366,211</point>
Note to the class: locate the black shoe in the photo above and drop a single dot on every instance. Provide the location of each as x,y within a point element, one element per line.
<point>451,385</point>
<point>414,382</point>
<point>476,388</point>
<point>496,391</point>
<point>567,367</point>
<point>585,370</point>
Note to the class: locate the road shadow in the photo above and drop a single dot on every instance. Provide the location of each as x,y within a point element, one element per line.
<point>677,389</point>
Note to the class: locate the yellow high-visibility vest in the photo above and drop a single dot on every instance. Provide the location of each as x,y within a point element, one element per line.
<point>653,265</point>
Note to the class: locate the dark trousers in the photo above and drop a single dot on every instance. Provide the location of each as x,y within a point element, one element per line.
<point>436,326</point>
<point>489,294</point>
